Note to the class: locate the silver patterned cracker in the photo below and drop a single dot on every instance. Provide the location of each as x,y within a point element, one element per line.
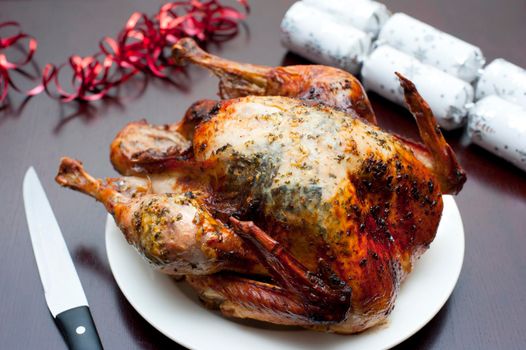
<point>448,96</point>
<point>504,79</point>
<point>500,127</point>
<point>366,15</point>
<point>432,46</point>
<point>316,35</point>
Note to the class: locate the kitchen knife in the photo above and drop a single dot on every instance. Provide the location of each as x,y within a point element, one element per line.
<point>62,289</point>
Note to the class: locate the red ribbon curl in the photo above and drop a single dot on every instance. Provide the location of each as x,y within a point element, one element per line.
<point>143,45</point>
<point>25,43</point>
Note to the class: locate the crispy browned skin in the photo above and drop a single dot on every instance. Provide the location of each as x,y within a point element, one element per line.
<point>449,172</point>
<point>276,208</point>
<point>131,147</point>
<point>332,86</point>
<point>173,231</point>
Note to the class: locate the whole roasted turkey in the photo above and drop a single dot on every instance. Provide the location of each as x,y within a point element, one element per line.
<point>283,202</point>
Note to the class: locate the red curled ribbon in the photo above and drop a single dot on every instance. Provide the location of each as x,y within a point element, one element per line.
<point>29,45</point>
<point>143,46</point>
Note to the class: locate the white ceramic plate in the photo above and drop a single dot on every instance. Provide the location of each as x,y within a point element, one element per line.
<point>173,308</point>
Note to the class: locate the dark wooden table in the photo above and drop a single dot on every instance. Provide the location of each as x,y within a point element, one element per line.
<point>488,307</point>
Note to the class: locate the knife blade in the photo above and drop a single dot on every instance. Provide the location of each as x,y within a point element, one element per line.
<point>63,291</point>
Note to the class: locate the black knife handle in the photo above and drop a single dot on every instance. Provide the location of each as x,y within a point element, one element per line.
<point>78,329</point>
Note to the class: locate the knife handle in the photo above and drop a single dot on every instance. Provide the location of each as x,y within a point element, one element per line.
<point>78,329</point>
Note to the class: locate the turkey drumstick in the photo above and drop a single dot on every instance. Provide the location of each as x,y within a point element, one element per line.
<point>329,85</point>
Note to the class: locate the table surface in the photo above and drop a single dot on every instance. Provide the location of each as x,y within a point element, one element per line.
<point>487,309</point>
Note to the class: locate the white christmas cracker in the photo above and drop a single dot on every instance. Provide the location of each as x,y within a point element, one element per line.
<point>500,127</point>
<point>432,46</point>
<point>366,15</point>
<point>505,80</point>
<point>448,96</point>
<point>315,35</point>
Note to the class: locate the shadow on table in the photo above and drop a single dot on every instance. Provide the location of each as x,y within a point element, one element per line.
<point>291,58</point>
<point>89,258</point>
<point>9,108</point>
<point>490,170</point>
<point>144,333</point>
<point>426,337</point>
<point>131,90</point>
<point>25,79</point>
<point>87,111</point>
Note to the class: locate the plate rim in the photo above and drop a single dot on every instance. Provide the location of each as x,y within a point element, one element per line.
<point>439,305</point>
